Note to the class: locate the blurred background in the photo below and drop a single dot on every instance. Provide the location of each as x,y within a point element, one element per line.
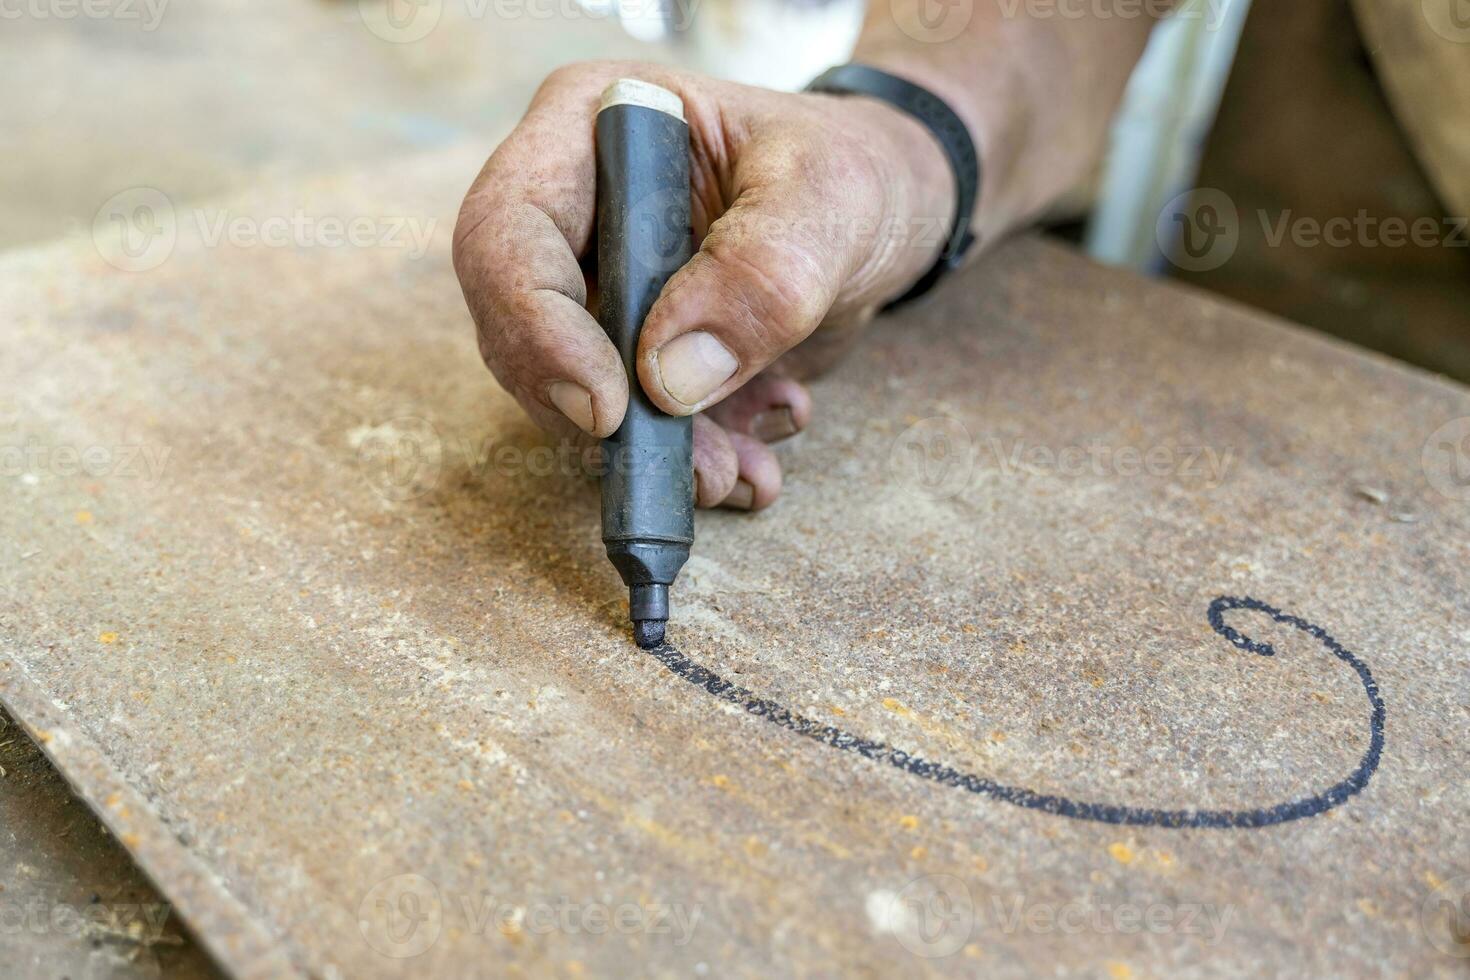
<point>1297,113</point>
<point>1265,152</point>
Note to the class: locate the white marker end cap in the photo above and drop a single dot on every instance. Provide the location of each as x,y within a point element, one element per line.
<point>633,91</point>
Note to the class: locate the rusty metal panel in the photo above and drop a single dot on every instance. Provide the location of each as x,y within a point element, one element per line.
<point>323,629</point>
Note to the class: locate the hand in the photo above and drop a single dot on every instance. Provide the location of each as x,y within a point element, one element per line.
<point>811,211</point>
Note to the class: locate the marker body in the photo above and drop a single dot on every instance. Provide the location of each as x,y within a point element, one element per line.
<point>643,237</point>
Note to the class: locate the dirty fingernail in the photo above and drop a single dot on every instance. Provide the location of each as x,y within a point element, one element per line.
<point>774,424</point>
<point>740,498</point>
<point>693,365</point>
<point>573,401</point>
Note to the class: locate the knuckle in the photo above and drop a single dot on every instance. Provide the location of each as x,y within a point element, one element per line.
<point>569,74</point>
<point>590,73</point>
<point>463,250</point>
<point>769,286</point>
<point>717,474</point>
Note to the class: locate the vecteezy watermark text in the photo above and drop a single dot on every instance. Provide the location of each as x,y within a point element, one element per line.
<point>407,456</point>
<point>409,21</point>
<point>133,461</point>
<point>1204,464</point>
<point>665,213</point>
<point>141,921</point>
<point>1200,230</point>
<point>938,915</point>
<point>148,13</point>
<point>1211,11</point>
<point>137,229</point>
<point>1364,230</point>
<point>937,458</point>
<point>301,229</point>
<point>1017,914</point>
<point>403,916</point>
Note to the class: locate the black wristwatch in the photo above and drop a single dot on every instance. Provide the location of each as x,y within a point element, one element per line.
<point>947,127</point>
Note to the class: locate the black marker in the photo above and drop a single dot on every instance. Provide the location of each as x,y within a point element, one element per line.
<point>643,237</point>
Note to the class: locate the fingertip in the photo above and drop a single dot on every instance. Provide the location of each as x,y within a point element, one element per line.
<point>771,408</point>
<point>651,382</point>
<point>685,373</point>
<point>594,405</point>
<point>758,481</point>
<point>794,395</point>
<point>779,408</point>
<point>716,466</point>
<point>573,401</point>
<point>607,414</point>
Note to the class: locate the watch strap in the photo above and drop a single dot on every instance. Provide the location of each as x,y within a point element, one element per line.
<point>953,136</point>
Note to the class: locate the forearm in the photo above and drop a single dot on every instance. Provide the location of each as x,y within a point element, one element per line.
<point>1037,92</point>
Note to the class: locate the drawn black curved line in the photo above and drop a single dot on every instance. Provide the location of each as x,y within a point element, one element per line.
<point>936,772</point>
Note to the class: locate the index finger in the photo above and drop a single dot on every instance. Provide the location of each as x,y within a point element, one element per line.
<point>527,218</point>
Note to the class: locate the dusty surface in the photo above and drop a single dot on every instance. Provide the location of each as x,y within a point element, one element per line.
<point>191,100</point>
<point>197,98</point>
<point>72,904</point>
<point>321,617</point>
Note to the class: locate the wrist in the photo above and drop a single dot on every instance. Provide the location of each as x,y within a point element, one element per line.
<point>946,131</point>
<point>920,197</point>
<point>993,113</point>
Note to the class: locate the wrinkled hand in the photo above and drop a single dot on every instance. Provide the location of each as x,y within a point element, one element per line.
<point>810,212</point>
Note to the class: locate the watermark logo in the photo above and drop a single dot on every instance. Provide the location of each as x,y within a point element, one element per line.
<point>1445,458</point>
<point>401,458</point>
<point>657,230</point>
<point>1198,230</point>
<point>401,21</point>
<point>1450,19</point>
<point>136,230</point>
<point>402,916</point>
<point>931,917</point>
<point>1444,916</point>
<point>932,21</point>
<point>933,458</point>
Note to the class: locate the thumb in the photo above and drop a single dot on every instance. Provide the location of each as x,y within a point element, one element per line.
<point>764,277</point>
